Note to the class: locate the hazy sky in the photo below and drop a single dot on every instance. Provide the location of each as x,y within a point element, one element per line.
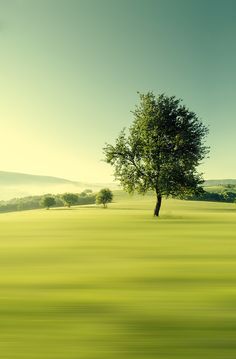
<point>70,70</point>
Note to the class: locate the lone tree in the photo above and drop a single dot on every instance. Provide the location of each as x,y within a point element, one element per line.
<point>48,201</point>
<point>70,199</point>
<point>165,144</point>
<point>104,196</point>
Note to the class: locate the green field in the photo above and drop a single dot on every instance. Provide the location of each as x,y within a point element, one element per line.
<point>93,283</point>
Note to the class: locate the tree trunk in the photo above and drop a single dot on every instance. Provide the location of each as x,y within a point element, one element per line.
<point>158,205</point>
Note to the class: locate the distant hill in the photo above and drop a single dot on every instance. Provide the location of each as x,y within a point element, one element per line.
<point>13,184</point>
<point>218,182</point>
<point>14,178</point>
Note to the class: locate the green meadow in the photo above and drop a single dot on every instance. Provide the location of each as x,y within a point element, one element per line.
<point>93,283</point>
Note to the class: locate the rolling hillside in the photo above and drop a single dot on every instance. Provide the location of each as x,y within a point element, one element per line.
<point>14,184</point>
<point>15,179</point>
<point>219,182</point>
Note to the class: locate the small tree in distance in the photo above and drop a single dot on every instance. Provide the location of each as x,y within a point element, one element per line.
<point>70,199</point>
<point>165,144</point>
<point>48,201</point>
<point>104,196</point>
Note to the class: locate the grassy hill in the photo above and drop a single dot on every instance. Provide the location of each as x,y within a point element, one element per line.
<point>13,178</point>
<point>220,188</point>
<point>21,185</point>
<point>218,182</point>
<point>91,283</point>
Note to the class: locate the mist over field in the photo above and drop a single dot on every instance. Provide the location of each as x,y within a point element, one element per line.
<point>15,185</point>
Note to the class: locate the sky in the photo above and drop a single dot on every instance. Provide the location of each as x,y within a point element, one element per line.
<point>70,71</point>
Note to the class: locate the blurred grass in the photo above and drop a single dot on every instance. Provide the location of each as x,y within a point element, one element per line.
<point>89,283</point>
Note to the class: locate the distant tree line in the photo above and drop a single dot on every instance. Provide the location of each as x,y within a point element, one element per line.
<point>224,196</point>
<point>47,201</point>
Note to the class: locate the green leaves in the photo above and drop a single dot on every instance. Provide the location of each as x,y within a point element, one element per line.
<point>70,199</point>
<point>162,149</point>
<point>48,201</point>
<point>104,196</point>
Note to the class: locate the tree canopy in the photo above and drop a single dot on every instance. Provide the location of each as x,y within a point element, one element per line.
<point>104,196</point>
<point>48,201</point>
<point>70,199</point>
<point>161,152</point>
